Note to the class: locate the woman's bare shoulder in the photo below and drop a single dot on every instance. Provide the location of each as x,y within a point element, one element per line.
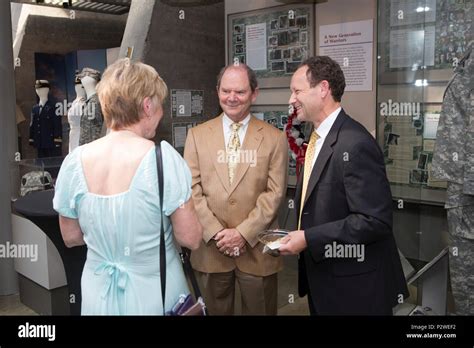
<point>129,148</point>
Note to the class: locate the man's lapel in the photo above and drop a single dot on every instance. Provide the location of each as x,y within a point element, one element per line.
<point>248,151</point>
<point>217,151</point>
<point>298,192</point>
<point>325,154</point>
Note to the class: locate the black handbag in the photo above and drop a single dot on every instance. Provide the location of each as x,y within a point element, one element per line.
<point>186,305</point>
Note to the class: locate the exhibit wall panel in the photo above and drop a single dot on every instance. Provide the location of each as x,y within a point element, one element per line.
<point>360,105</point>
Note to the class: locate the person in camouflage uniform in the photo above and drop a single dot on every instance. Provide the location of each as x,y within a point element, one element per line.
<point>91,119</point>
<point>453,161</point>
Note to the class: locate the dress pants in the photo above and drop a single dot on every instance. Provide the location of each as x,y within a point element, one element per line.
<point>258,294</point>
<point>387,311</point>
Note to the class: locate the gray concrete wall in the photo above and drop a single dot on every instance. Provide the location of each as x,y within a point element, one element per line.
<point>59,36</point>
<point>136,31</point>
<point>188,53</point>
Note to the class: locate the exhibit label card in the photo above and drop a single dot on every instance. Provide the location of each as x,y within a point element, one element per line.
<point>180,132</point>
<point>431,125</point>
<point>187,103</point>
<point>350,44</point>
<point>256,38</point>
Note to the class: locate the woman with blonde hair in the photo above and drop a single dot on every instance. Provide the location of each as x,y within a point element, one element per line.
<point>107,196</point>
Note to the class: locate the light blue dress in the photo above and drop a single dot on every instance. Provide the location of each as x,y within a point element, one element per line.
<point>122,232</point>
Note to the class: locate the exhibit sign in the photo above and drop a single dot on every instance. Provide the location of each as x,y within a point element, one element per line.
<point>351,45</point>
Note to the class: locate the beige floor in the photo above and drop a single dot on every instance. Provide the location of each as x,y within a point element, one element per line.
<point>11,305</point>
<point>289,303</point>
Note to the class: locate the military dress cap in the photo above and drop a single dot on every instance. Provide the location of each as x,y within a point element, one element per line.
<point>95,74</point>
<point>77,78</point>
<point>42,84</point>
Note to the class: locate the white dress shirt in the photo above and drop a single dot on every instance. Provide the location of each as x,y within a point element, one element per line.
<point>227,123</point>
<point>323,131</point>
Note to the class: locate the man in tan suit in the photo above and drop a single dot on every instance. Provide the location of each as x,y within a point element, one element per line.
<point>239,169</point>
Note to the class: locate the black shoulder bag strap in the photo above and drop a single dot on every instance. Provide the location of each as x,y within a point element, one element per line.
<point>188,269</point>
<point>185,253</point>
<point>159,164</point>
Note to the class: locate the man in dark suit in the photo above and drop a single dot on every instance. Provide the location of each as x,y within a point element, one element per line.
<point>349,263</point>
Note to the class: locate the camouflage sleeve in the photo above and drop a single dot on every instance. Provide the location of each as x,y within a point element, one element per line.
<point>447,154</point>
<point>91,122</point>
<point>468,187</point>
<point>83,133</point>
<point>98,122</point>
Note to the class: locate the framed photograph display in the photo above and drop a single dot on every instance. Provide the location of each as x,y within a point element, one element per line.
<point>272,41</point>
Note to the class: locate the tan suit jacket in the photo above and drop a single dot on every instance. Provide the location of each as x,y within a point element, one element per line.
<point>250,205</point>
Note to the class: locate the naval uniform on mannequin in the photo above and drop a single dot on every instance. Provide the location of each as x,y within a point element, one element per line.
<point>92,119</point>
<point>75,113</point>
<point>45,125</point>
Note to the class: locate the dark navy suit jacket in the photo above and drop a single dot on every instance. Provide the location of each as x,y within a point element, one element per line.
<point>349,202</point>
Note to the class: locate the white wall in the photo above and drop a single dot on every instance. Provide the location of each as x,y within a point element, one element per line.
<point>360,105</point>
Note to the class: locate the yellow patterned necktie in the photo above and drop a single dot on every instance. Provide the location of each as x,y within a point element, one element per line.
<point>233,149</point>
<point>308,166</point>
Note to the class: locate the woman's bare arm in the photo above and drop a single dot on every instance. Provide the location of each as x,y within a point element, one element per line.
<point>71,232</point>
<point>186,226</point>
